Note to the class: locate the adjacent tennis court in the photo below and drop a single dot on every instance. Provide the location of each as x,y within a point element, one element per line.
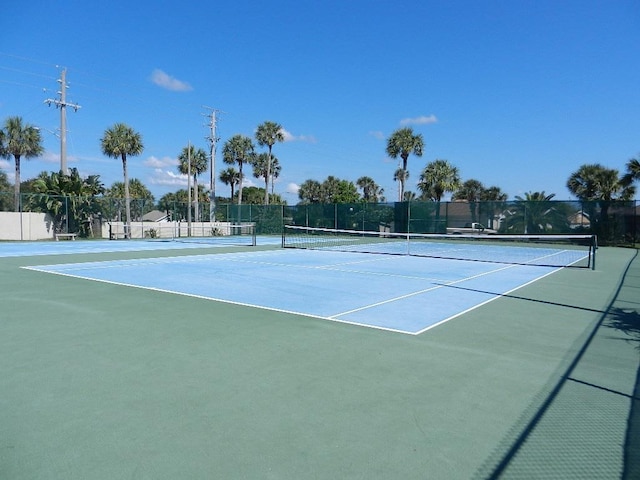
<point>165,360</point>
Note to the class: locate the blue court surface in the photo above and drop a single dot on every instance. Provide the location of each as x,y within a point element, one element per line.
<point>65,247</point>
<point>397,293</point>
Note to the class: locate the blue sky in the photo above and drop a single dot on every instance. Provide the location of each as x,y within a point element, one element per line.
<point>515,93</point>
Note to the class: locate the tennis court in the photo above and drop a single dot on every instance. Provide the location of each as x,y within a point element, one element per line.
<point>252,362</point>
<point>398,293</point>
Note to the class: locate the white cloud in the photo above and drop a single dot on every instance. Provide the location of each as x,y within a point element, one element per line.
<point>167,177</point>
<point>377,134</point>
<point>293,188</point>
<point>50,157</point>
<point>289,137</point>
<point>156,162</point>
<point>422,120</point>
<point>168,82</point>
<point>248,182</point>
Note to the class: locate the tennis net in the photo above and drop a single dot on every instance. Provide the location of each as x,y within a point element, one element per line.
<point>224,233</point>
<point>541,250</point>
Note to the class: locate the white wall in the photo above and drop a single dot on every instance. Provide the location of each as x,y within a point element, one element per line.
<point>25,226</point>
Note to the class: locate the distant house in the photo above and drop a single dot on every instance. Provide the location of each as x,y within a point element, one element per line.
<point>155,216</point>
<point>579,220</point>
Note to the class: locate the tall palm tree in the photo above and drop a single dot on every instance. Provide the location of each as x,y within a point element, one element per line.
<point>239,149</point>
<point>401,176</point>
<point>402,143</point>
<point>121,141</point>
<point>19,140</point>
<point>260,164</point>
<point>230,177</point>
<point>275,172</point>
<point>261,169</point>
<point>199,164</point>
<point>267,134</point>
<point>437,178</point>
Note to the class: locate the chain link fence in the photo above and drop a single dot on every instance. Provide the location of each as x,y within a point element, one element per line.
<point>615,222</point>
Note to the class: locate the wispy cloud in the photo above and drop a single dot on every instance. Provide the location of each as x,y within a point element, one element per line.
<point>377,134</point>
<point>167,177</point>
<point>289,137</point>
<point>155,162</point>
<point>422,120</point>
<point>52,157</point>
<point>168,82</point>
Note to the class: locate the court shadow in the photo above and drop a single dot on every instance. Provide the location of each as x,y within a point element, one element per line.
<point>621,316</point>
<point>518,297</point>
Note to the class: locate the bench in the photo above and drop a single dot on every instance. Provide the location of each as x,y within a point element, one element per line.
<point>68,236</point>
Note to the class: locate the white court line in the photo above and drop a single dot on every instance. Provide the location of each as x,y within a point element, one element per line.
<point>419,292</point>
<point>498,295</point>
<point>222,300</point>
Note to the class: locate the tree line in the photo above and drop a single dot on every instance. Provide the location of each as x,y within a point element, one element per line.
<point>438,178</point>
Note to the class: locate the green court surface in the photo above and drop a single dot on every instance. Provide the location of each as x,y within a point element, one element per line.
<point>104,381</point>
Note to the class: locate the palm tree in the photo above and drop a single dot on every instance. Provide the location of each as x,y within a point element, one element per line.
<point>401,176</point>
<point>230,177</point>
<point>492,202</point>
<point>471,191</point>
<point>260,163</point>
<point>19,141</point>
<point>268,134</point>
<point>142,198</point>
<point>261,169</point>
<point>437,178</point>
<point>633,172</point>
<point>238,149</point>
<point>593,183</point>
<point>275,172</point>
<point>409,196</point>
<point>371,191</point>
<point>537,213</point>
<point>118,142</point>
<point>194,161</point>
<point>310,192</point>
<point>402,143</point>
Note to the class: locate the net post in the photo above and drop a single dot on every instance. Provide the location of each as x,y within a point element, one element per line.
<point>593,248</point>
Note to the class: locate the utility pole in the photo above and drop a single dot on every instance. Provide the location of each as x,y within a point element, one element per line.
<point>213,140</point>
<point>63,104</point>
<point>189,189</point>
